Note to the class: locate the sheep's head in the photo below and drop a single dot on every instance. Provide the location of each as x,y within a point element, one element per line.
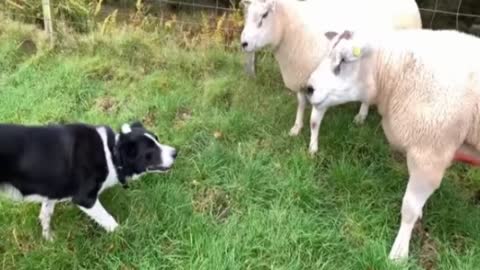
<point>259,27</point>
<point>340,76</point>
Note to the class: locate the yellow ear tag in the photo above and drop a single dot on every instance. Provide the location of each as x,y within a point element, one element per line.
<point>356,51</point>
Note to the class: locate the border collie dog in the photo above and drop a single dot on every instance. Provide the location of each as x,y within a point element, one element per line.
<point>76,162</point>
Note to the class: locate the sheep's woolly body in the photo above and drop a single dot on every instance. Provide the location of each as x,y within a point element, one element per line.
<point>296,32</point>
<point>426,85</point>
<point>427,89</point>
<point>301,41</point>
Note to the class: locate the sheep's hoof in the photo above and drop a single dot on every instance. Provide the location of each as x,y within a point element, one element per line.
<point>399,252</point>
<point>48,235</point>
<point>295,130</point>
<point>313,149</point>
<point>359,119</point>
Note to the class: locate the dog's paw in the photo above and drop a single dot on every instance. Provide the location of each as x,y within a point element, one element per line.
<point>111,226</point>
<point>359,119</point>
<point>295,130</point>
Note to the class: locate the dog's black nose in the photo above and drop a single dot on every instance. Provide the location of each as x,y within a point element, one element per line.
<point>310,90</point>
<point>175,153</point>
<point>244,44</point>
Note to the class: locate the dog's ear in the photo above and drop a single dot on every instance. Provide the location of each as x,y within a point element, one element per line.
<point>136,124</point>
<point>126,128</point>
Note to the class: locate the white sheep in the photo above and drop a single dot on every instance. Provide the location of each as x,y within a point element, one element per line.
<point>426,86</point>
<point>294,32</point>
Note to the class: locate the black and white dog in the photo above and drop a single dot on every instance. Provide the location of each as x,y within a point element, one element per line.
<point>76,162</point>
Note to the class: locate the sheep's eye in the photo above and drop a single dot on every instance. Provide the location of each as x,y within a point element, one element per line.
<point>263,17</point>
<point>336,70</point>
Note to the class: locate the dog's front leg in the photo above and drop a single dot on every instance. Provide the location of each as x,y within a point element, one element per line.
<point>101,216</point>
<point>46,212</point>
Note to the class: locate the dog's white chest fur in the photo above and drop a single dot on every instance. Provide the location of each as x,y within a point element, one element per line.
<point>112,177</point>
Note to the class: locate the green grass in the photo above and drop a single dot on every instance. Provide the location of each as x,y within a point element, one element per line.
<point>251,198</point>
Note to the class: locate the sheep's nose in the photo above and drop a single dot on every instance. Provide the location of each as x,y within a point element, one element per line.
<point>244,44</point>
<point>310,90</point>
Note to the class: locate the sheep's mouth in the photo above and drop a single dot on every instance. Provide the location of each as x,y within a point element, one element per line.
<point>248,50</point>
<point>317,104</point>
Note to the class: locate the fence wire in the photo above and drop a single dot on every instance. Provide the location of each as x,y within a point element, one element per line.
<point>437,18</point>
<point>219,9</point>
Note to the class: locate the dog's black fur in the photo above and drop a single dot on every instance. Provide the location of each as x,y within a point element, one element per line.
<point>54,161</point>
<point>69,162</point>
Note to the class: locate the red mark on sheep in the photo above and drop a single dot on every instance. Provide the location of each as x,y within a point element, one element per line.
<point>465,158</point>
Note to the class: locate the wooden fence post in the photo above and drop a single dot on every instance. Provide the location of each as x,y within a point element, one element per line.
<point>47,20</point>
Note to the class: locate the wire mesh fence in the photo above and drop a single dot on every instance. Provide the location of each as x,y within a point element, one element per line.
<point>463,15</point>
<point>436,14</point>
<point>84,15</point>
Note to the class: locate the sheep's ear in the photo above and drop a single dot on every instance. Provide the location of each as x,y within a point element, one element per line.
<point>336,37</point>
<point>330,35</point>
<point>347,34</point>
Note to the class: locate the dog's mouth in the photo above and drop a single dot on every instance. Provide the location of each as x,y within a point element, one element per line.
<point>158,168</point>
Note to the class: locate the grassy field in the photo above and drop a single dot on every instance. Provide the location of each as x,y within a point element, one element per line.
<point>243,194</point>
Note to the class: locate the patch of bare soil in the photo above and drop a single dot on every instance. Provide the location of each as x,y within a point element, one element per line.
<point>428,248</point>
<point>107,104</point>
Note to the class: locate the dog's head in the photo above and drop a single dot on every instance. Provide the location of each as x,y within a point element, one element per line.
<point>140,152</point>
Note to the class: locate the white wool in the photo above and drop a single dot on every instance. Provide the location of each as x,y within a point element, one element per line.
<point>295,30</point>
<point>301,50</point>
<point>426,85</point>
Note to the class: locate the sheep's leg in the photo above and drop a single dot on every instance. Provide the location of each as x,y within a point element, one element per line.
<point>302,101</point>
<point>315,121</point>
<point>45,216</point>
<point>362,114</point>
<point>426,173</point>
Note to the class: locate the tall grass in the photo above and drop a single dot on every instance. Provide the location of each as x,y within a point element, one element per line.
<point>243,194</point>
